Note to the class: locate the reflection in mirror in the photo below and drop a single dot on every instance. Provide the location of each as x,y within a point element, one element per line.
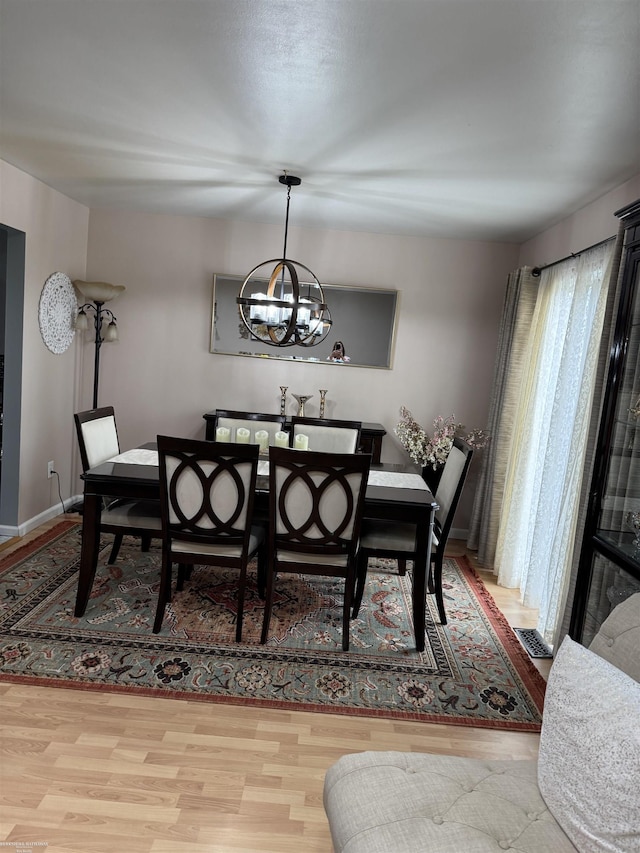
<point>363,322</point>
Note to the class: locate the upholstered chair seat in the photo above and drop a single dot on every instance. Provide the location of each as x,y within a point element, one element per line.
<point>207,492</point>
<point>398,541</point>
<point>315,511</point>
<point>98,442</point>
<point>328,436</point>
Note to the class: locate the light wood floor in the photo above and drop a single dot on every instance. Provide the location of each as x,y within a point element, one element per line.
<point>113,773</point>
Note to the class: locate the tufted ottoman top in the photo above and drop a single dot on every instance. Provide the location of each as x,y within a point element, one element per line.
<point>397,802</point>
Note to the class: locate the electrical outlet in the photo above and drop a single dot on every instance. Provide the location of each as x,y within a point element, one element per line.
<point>50,469</point>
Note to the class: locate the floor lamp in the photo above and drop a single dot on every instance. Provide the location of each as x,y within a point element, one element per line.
<point>98,292</point>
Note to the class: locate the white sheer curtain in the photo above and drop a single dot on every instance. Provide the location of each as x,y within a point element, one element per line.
<point>542,484</point>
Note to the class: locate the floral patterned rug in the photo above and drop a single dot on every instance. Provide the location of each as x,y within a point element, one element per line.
<point>473,670</point>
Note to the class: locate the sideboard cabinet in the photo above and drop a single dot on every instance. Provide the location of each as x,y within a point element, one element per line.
<point>609,565</point>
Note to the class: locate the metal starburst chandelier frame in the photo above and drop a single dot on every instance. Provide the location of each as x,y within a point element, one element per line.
<point>288,312</point>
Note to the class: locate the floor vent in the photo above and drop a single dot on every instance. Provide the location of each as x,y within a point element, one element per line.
<point>533,643</point>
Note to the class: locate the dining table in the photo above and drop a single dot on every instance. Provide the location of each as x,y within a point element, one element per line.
<point>394,493</point>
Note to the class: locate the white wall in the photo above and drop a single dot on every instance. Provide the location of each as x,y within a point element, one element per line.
<point>56,241</point>
<point>589,225</point>
<point>161,376</point>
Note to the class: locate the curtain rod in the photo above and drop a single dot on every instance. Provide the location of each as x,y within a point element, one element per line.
<point>537,270</point>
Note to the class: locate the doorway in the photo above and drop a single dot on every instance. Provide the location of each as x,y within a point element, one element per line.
<point>12,263</point>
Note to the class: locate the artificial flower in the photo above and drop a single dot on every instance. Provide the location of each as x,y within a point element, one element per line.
<point>433,450</point>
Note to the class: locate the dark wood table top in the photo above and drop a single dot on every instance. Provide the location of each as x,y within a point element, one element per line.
<point>110,478</point>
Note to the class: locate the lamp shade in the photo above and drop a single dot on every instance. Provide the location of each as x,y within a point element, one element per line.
<point>111,332</point>
<point>98,291</point>
<point>82,323</point>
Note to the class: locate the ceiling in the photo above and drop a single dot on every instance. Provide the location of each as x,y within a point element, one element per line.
<point>483,119</point>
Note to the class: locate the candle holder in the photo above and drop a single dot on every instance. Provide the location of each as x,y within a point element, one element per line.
<point>302,399</point>
<point>323,394</point>
<point>283,398</point>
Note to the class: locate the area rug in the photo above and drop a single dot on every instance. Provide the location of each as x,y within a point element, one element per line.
<point>473,671</point>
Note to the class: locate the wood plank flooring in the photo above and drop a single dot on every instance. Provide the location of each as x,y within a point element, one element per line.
<point>95,772</point>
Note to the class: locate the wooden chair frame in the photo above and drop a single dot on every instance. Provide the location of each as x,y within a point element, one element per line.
<point>195,532</point>
<point>120,516</point>
<point>386,539</point>
<point>318,542</point>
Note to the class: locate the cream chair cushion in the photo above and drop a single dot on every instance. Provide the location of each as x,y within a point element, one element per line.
<point>449,482</point>
<point>223,492</point>
<point>335,501</point>
<point>224,496</point>
<point>219,549</point>
<point>100,440</point>
<point>141,515</point>
<point>328,439</point>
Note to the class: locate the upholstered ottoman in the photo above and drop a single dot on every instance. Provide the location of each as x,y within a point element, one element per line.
<point>583,793</point>
<point>387,802</point>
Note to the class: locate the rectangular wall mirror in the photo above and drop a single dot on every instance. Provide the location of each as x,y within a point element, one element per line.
<point>363,319</point>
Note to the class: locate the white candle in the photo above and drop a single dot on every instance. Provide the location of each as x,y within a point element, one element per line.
<point>242,435</point>
<point>262,438</point>
<point>282,439</point>
<point>223,434</point>
<point>301,442</point>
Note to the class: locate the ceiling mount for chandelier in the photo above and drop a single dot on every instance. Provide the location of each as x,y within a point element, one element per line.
<point>281,306</point>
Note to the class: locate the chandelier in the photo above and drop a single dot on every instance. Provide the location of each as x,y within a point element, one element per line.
<point>291,309</point>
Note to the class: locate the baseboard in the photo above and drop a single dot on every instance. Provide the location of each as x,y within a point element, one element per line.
<point>37,520</point>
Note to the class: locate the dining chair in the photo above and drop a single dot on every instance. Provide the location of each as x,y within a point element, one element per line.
<point>253,421</point>
<point>327,435</point>
<point>98,441</point>
<point>398,540</point>
<point>315,511</point>
<point>207,491</point>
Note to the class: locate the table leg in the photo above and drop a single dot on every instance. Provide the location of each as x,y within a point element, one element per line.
<point>420,574</point>
<point>89,550</point>
<point>418,593</point>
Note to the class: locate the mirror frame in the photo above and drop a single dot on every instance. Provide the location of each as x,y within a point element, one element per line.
<point>381,323</point>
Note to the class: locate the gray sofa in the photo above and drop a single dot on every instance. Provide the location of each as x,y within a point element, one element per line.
<point>582,793</point>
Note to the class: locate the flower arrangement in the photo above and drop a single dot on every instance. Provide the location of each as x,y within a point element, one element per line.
<point>433,451</point>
